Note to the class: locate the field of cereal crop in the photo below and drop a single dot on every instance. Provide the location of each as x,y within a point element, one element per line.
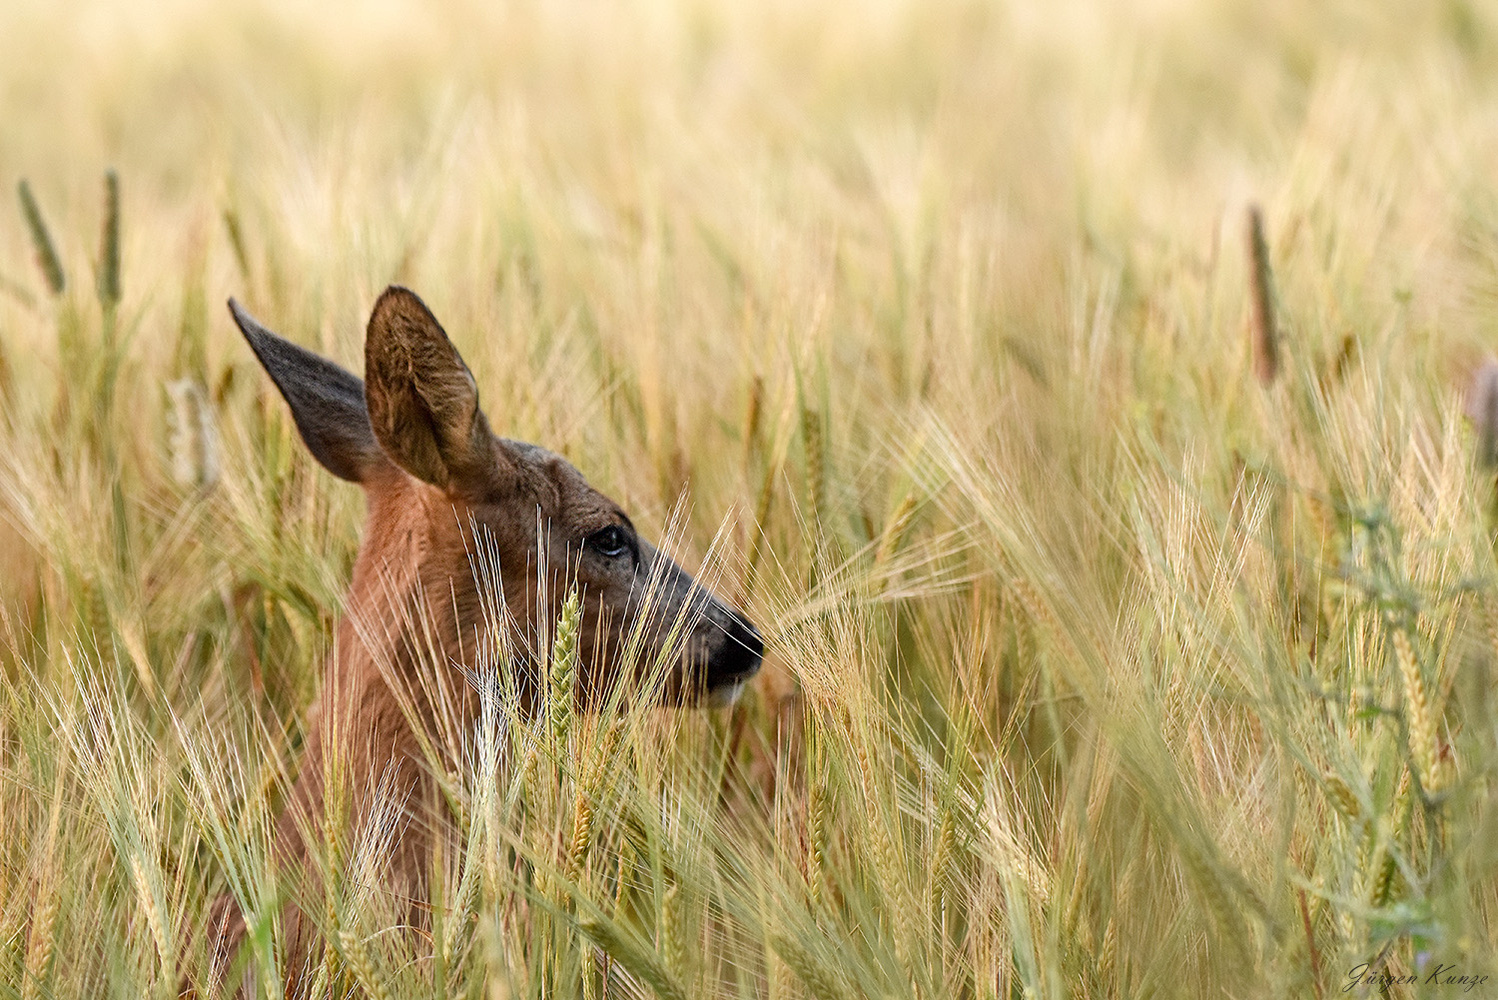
<point>1106,658</point>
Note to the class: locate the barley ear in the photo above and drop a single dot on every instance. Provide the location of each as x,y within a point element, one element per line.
<point>818,979</point>
<point>1264,327</point>
<point>816,837</point>
<point>582,833</point>
<point>109,244</point>
<point>816,472</point>
<point>640,961</point>
<point>673,946</point>
<point>1420,720</point>
<point>564,672</point>
<point>41,241</point>
<point>357,958</point>
<point>1341,796</point>
<point>894,531</point>
<point>41,940</point>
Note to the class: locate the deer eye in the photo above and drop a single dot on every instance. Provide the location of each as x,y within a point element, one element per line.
<point>610,542</point>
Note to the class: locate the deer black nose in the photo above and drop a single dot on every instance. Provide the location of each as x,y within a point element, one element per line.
<point>739,656</point>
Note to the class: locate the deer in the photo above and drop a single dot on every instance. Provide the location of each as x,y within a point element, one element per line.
<point>439,485</point>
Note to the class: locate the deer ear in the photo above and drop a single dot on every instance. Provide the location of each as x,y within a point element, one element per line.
<point>422,399</point>
<point>326,401</point>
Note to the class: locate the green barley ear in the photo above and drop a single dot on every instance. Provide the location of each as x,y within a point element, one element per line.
<point>582,832</point>
<point>820,981</point>
<point>894,529</point>
<point>943,853</point>
<point>109,245</point>
<point>816,836</point>
<point>41,241</point>
<point>1264,328</point>
<point>41,941</point>
<point>673,945</point>
<point>357,957</point>
<point>1420,718</point>
<point>641,961</point>
<point>1341,796</point>
<point>564,671</point>
<point>816,473</point>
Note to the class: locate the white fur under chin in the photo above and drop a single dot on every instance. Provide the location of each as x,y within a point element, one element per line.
<point>727,695</point>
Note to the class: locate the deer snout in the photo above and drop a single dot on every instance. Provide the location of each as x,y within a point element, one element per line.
<point>736,655</point>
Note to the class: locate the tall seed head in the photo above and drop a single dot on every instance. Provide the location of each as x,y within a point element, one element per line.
<point>812,443</point>
<point>673,946</point>
<point>41,241</point>
<point>1419,716</point>
<point>1264,327</point>
<point>564,671</point>
<point>192,435</point>
<point>109,244</point>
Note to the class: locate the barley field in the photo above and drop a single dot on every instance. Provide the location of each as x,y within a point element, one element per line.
<point>1126,568</point>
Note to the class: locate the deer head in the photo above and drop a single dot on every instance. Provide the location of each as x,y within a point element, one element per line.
<point>442,486</point>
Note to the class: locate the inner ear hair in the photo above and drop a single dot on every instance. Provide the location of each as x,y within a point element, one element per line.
<point>422,400</point>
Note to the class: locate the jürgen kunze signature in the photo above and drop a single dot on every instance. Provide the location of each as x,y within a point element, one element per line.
<point>1443,975</point>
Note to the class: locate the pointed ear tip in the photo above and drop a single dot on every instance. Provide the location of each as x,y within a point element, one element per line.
<point>243,319</point>
<point>394,294</point>
<point>399,297</point>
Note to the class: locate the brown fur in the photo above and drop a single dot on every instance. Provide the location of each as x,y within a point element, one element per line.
<point>440,486</point>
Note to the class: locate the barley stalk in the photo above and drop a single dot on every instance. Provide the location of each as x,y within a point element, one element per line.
<point>100,624</point>
<point>1383,883</point>
<point>1108,951</point>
